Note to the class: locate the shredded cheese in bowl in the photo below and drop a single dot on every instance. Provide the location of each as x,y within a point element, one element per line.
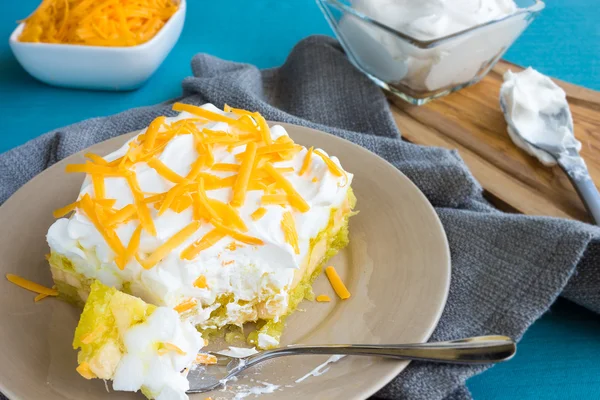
<point>111,23</point>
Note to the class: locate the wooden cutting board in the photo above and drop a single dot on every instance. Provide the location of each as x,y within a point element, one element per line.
<point>470,121</point>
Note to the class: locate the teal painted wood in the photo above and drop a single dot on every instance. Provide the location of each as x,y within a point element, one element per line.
<point>557,356</point>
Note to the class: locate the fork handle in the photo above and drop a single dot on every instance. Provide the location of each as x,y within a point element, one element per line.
<point>476,350</point>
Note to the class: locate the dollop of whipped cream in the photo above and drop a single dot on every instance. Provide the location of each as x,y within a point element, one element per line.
<point>432,19</point>
<point>143,365</point>
<point>247,272</point>
<point>528,94</point>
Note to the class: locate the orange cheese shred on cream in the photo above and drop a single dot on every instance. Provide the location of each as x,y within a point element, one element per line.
<point>258,213</point>
<point>306,162</point>
<point>337,284</point>
<point>121,215</point>
<point>171,195</point>
<point>185,306</point>
<point>165,171</point>
<point>200,283</point>
<point>295,199</point>
<point>108,234</point>
<point>203,199</point>
<point>225,167</point>
<point>209,115</point>
<point>237,235</point>
<point>208,240</point>
<point>132,247</point>
<point>31,286</point>
<point>228,214</point>
<point>173,242</point>
<point>288,225</point>
<point>333,167</point>
<point>274,199</point>
<point>275,148</point>
<point>142,209</point>
<point>152,132</point>
<point>264,128</point>
<point>243,178</point>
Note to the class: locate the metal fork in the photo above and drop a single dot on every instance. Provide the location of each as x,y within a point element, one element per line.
<point>475,350</point>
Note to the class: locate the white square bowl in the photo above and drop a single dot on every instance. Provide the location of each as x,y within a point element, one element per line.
<point>98,67</point>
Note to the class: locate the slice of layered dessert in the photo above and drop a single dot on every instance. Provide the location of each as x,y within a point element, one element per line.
<point>212,213</point>
<point>136,345</point>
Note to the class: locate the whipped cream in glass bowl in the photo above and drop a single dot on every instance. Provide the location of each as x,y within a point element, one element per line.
<point>423,49</point>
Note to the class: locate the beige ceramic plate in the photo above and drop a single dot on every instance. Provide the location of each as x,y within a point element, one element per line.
<point>397,268</point>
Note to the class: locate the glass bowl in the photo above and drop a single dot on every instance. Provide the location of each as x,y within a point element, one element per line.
<point>419,71</point>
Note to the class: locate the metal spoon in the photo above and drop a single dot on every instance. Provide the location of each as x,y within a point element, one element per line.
<point>567,158</point>
<point>475,350</point>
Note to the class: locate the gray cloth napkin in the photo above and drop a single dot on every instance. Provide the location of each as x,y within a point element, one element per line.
<point>506,269</point>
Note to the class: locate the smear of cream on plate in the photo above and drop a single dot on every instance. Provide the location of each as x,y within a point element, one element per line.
<point>321,369</point>
<point>256,390</point>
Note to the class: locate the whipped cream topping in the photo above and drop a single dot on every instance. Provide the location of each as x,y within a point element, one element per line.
<point>245,271</point>
<point>144,365</point>
<point>432,19</point>
<point>527,95</point>
<point>457,61</point>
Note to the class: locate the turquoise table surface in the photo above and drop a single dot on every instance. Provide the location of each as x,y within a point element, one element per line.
<point>557,356</point>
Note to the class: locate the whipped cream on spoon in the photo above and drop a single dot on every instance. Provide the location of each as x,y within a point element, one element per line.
<point>540,122</point>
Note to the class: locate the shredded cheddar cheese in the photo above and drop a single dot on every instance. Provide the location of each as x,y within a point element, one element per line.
<point>31,286</point>
<point>243,177</point>
<point>185,306</point>
<point>173,242</point>
<point>207,241</point>
<point>306,162</point>
<point>132,247</point>
<point>275,199</point>
<point>98,22</point>
<point>98,183</point>
<point>258,214</point>
<point>254,168</point>
<point>40,297</point>
<point>152,132</point>
<point>164,171</point>
<point>142,209</point>
<point>237,235</point>
<point>61,212</point>
<point>337,284</point>
<point>333,167</point>
<point>323,298</point>
<point>289,231</point>
<point>120,216</point>
<point>295,199</point>
<point>200,283</point>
